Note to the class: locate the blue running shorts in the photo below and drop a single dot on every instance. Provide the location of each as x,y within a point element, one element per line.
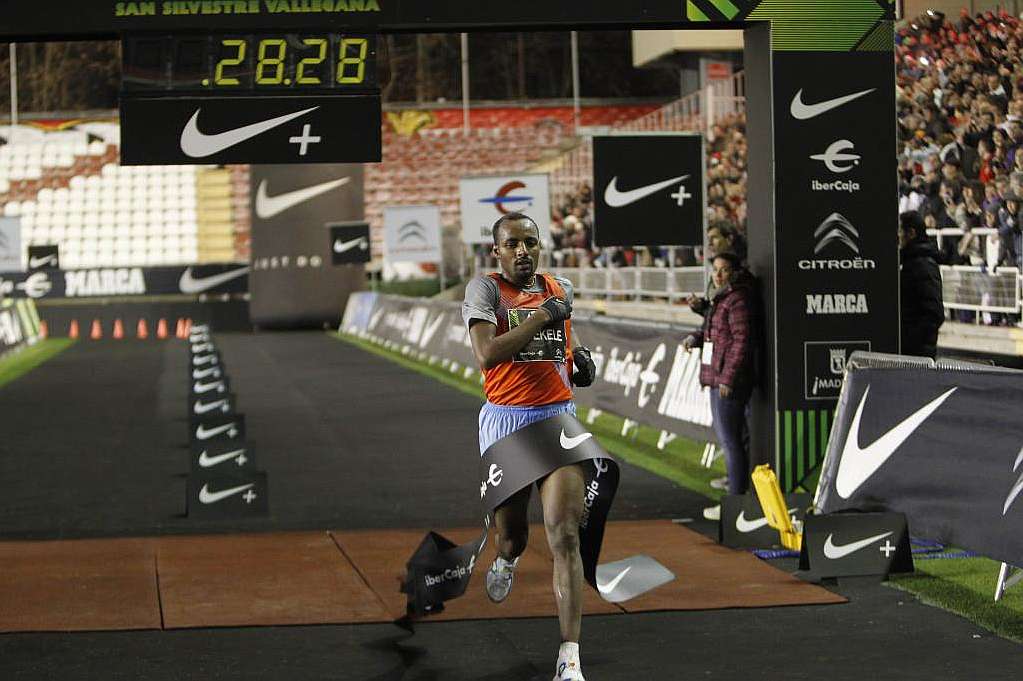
<point>497,421</point>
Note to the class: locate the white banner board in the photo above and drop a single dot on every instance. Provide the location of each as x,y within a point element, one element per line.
<point>412,234</point>
<point>485,199</point>
<point>10,245</point>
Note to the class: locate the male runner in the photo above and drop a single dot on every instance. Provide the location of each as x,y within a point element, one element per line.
<point>521,335</point>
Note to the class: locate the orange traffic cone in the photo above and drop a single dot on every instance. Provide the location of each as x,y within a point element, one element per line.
<point>72,331</point>
<point>97,330</point>
<point>118,329</point>
<point>179,329</point>
<point>44,330</point>
<point>188,328</point>
<point>142,330</point>
<point>161,329</point>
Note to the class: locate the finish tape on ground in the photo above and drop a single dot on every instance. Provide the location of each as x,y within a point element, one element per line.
<point>439,570</point>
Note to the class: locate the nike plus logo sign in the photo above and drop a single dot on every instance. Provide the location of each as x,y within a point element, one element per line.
<point>208,497</point>
<point>39,262</point>
<point>270,206</point>
<point>803,112</point>
<point>207,461</point>
<point>203,434</point>
<point>835,552</point>
<point>201,388</point>
<point>618,199</point>
<point>203,408</point>
<point>573,442</point>
<point>746,526</point>
<point>859,463</point>
<point>342,246</point>
<point>197,144</point>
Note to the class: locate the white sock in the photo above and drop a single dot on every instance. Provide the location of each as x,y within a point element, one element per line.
<point>502,564</point>
<point>568,652</point>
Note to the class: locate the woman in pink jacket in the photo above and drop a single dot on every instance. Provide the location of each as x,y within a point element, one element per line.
<point>728,349</point>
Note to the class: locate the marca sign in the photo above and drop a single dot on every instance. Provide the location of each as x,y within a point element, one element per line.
<point>122,281</point>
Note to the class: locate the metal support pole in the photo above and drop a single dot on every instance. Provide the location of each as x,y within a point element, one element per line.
<point>576,112</point>
<point>14,89</point>
<point>465,83</point>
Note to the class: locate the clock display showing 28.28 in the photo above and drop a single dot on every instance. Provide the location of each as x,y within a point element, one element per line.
<point>247,63</point>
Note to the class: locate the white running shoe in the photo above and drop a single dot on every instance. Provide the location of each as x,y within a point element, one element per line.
<point>712,512</point>
<point>568,670</point>
<point>499,579</point>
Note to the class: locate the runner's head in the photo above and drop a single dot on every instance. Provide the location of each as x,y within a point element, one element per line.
<point>517,247</point>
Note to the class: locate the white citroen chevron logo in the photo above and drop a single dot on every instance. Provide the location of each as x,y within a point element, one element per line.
<point>618,199</point>
<point>803,112</point>
<point>203,434</point>
<point>201,388</point>
<point>205,373</point>
<point>573,442</point>
<point>203,408</point>
<point>835,552</point>
<point>197,144</point>
<point>859,463</point>
<point>206,461</point>
<point>610,586</point>
<point>746,526</point>
<point>271,206</point>
<point>208,497</point>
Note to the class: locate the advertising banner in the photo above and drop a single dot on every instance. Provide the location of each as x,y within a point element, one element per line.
<point>294,282</point>
<point>412,234</point>
<point>10,244</point>
<point>126,281</point>
<point>44,257</point>
<point>349,242</point>
<point>945,447</point>
<point>648,190</point>
<point>643,373</point>
<point>485,199</point>
<point>19,324</point>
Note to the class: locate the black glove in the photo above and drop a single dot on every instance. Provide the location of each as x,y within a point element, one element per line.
<point>585,369</point>
<point>558,308</point>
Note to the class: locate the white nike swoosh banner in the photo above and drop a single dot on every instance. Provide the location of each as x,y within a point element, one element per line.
<point>224,490</point>
<point>197,144</point>
<point>271,206</point>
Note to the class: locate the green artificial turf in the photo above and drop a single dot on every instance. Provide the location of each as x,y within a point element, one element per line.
<point>679,461</point>
<point>25,359</point>
<point>966,586</point>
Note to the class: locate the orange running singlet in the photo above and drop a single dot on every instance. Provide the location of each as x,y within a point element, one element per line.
<point>538,373</point>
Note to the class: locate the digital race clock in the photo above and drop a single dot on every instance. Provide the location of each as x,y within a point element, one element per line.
<point>248,64</point>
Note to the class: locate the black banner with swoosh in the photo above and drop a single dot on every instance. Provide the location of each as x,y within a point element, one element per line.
<point>111,282</point>
<point>945,447</point>
<point>439,570</point>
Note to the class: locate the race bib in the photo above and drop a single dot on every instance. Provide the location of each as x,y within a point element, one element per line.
<point>548,345</point>
<point>708,352</point>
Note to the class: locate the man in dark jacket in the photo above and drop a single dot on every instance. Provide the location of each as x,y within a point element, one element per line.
<point>920,288</point>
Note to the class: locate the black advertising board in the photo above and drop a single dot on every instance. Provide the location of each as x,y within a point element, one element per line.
<point>44,257</point>
<point>250,129</point>
<point>214,494</point>
<point>349,243</point>
<point>648,190</point>
<point>837,255</point>
<point>743,524</point>
<point>855,544</point>
<point>293,281</point>
<point>107,282</point>
<point>941,446</point>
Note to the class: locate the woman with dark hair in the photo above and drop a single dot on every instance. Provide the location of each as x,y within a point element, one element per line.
<point>728,350</point>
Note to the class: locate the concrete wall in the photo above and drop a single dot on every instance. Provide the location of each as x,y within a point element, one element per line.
<point>648,46</point>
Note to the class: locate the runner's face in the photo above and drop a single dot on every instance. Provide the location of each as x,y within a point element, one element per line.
<point>518,251</point>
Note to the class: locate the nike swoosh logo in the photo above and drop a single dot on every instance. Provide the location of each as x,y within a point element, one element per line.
<point>270,206</point>
<point>204,434</point>
<point>203,408</point>
<point>617,199</point>
<point>201,388</point>
<point>189,284</point>
<point>203,373</point>
<point>342,246</point>
<point>859,463</point>
<point>39,262</point>
<point>197,144</point>
<point>207,461</point>
<point>573,442</point>
<point>610,586</point>
<point>747,526</point>
<point>803,112</point>
<point>208,497</point>
<point>835,552</point>
<point>430,330</point>
<point>199,360</point>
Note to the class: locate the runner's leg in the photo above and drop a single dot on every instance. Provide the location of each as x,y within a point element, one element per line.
<point>562,498</point>
<point>512,525</point>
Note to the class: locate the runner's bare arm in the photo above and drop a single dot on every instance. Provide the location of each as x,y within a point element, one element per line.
<point>491,349</point>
